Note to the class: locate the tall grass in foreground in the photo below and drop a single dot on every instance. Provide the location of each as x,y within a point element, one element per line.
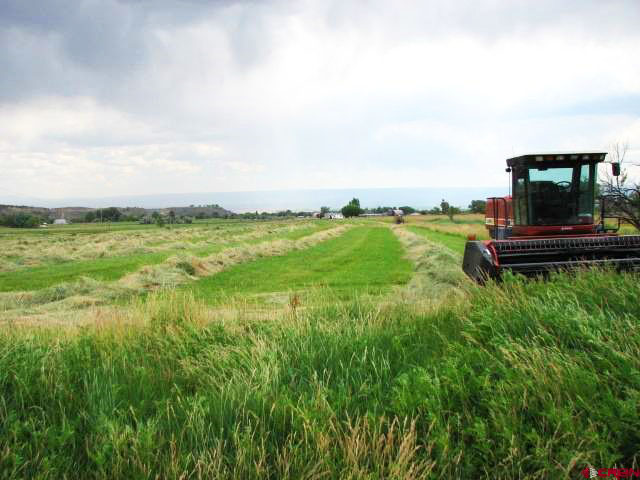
<point>529,380</point>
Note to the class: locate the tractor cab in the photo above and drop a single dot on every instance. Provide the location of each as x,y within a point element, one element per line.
<point>554,194</point>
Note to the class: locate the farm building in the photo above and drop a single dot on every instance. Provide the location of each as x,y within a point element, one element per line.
<point>60,220</point>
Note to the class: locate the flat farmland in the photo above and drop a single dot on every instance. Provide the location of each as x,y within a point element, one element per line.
<point>363,260</point>
<point>305,349</point>
<point>115,254</point>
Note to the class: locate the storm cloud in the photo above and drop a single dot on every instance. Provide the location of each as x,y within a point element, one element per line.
<point>111,97</point>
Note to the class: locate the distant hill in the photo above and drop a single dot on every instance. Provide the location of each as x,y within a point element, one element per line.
<point>276,200</point>
<point>79,213</point>
<point>70,213</point>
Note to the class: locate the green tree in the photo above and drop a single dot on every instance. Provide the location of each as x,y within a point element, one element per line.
<point>451,211</point>
<point>111,214</point>
<point>407,210</point>
<point>444,206</point>
<point>477,206</point>
<point>20,220</point>
<point>90,217</point>
<point>352,209</point>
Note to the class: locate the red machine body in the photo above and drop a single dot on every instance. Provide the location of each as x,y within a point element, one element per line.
<point>549,222</point>
<point>499,215</point>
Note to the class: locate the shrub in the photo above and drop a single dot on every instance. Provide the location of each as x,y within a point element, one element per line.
<point>20,220</point>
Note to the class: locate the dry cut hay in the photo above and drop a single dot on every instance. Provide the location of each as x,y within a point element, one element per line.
<point>438,278</point>
<point>176,269</point>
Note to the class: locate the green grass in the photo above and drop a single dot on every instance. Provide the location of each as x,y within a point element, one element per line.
<point>113,268</point>
<point>273,235</point>
<point>86,229</point>
<point>526,380</point>
<point>108,268</point>
<point>451,240</point>
<point>98,228</point>
<point>362,259</point>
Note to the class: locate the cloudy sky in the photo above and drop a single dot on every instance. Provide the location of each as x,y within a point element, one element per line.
<point>105,97</point>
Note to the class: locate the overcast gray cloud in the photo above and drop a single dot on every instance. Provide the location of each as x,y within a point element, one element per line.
<point>123,97</point>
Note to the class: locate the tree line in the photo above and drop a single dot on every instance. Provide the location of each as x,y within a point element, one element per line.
<point>353,209</point>
<point>22,220</point>
<point>113,214</point>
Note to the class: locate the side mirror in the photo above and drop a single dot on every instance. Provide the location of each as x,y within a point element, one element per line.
<point>615,169</point>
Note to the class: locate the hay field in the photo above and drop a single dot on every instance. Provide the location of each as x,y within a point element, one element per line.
<point>307,349</point>
<point>61,273</point>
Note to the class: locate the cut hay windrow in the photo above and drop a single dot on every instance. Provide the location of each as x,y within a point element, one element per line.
<point>189,266</point>
<point>457,228</point>
<point>111,268</point>
<point>65,298</point>
<point>437,277</point>
<point>56,248</point>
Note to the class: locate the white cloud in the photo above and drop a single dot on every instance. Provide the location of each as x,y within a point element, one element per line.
<point>245,96</point>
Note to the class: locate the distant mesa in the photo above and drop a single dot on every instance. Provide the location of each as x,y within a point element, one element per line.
<point>63,216</point>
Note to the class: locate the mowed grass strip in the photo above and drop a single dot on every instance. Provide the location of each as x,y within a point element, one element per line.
<point>108,268</point>
<point>364,259</point>
<point>450,240</point>
<point>113,268</point>
<point>99,228</point>
<point>464,225</point>
<point>294,234</point>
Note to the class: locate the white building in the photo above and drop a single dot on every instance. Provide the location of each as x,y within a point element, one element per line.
<point>61,220</point>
